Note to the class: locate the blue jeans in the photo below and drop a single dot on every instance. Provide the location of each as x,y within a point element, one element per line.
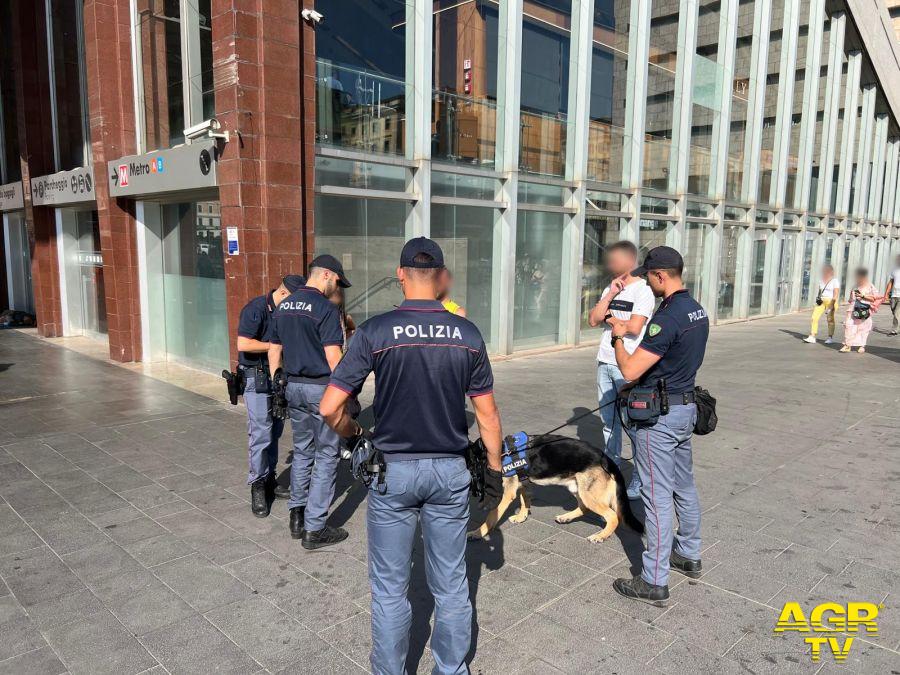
<point>665,462</point>
<point>609,381</point>
<point>435,493</point>
<point>262,429</point>
<point>316,454</point>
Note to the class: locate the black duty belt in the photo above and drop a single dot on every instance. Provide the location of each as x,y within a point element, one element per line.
<point>302,379</point>
<point>685,398</point>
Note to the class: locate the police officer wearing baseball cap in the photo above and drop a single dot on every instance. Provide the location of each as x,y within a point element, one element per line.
<point>672,351</point>
<point>426,361</point>
<point>263,430</point>
<point>306,340</point>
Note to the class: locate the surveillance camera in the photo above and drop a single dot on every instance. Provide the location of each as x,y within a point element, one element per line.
<point>205,129</point>
<point>312,15</point>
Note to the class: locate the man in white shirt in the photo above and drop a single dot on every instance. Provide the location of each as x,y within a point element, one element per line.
<point>628,300</point>
<point>893,294</point>
<point>828,298</point>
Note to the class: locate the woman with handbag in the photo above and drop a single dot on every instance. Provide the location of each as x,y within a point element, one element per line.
<point>827,300</point>
<point>863,302</point>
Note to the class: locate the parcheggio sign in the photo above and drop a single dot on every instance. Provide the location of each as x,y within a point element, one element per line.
<point>187,167</point>
<point>63,188</point>
<point>11,197</point>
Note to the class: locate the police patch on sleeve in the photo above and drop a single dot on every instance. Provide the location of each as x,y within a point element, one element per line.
<point>653,329</point>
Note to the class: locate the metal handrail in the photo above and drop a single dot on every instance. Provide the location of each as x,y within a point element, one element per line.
<point>379,285</point>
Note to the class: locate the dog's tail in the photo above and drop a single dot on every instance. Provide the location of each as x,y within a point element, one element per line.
<point>623,504</point>
<point>624,508</point>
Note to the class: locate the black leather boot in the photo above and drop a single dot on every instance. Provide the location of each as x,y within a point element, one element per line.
<point>638,589</point>
<point>297,530</point>
<point>259,504</point>
<point>689,568</point>
<point>324,537</point>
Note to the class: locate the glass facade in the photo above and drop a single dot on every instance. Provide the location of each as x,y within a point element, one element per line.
<point>464,82</point>
<point>186,284</point>
<point>510,184</point>
<point>536,305</point>
<point>83,270</point>
<point>360,75</point>
<point>660,105</point>
<point>609,71</point>
<point>72,127</point>
<point>545,86</point>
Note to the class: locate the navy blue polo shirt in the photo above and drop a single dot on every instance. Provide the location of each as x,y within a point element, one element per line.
<point>677,332</point>
<point>254,324</point>
<point>426,361</point>
<point>304,323</point>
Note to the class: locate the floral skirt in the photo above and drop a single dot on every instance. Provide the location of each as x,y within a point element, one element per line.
<point>856,331</point>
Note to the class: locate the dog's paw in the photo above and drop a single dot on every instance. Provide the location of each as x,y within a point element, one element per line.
<point>519,517</point>
<point>474,535</point>
<point>563,518</point>
<point>597,538</point>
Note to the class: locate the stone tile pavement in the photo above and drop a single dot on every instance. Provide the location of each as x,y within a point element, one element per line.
<point>127,544</point>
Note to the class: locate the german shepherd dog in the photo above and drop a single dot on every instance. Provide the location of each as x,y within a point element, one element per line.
<point>588,473</point>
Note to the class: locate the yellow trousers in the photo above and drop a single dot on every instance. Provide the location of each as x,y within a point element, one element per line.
<point>826,308</point>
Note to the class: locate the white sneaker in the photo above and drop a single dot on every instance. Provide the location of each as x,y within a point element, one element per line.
<point>810,340</point>
<point>828,341</point>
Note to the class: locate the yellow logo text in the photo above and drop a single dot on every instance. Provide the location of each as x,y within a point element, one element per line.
<point>829,617</point>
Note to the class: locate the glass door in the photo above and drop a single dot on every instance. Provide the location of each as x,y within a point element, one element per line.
<point>185,268</point>
<point>784,286</point>
<point>18,263</point>
<point>758,271</point>
<point>536,308</point>
<point>85,293</point>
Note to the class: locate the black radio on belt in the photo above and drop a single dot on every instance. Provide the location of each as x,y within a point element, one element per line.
<point>643,404</point>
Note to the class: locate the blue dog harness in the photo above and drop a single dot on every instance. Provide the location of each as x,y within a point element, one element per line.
<point>515,459</point>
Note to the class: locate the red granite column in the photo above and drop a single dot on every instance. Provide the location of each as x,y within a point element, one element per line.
<point>308,141</point>
<point>256,64</point>
<point>34,124</point>
<point>107,37</point>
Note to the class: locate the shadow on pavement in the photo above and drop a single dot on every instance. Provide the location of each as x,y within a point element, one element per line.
<point>890,353</point>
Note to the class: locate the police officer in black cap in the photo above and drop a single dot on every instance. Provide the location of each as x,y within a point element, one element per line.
<point>262,429</point>
<point>306,340</point>
<point>668,357</point>
<point>426,362</point>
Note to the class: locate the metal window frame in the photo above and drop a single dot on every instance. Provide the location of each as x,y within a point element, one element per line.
<point>191,71</point>
<point>82,84</point>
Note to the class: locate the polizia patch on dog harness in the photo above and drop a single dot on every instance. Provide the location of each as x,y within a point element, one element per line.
<point>515,459</point>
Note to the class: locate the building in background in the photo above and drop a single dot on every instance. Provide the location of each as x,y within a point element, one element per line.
<point>760,138</point>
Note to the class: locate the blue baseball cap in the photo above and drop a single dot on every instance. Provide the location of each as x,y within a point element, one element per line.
<point>332,264</point>
<point>414,247</point>
<point>660,258</point>
<point>294,282</point>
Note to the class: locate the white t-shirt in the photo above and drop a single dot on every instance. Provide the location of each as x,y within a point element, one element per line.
<point>635,298</point>
<point>827,290</point>
<point>895,289</point>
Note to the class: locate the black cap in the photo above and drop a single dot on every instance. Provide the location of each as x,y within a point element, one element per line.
<point>414,247</point>
<point>329,262</point>
<point>293,282</point>
<point>660,258</point>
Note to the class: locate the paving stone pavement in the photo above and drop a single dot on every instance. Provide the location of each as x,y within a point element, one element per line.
<point>127,544</point>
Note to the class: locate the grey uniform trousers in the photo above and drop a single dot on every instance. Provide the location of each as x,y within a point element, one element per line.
<point>435,494</point>
<point>262,430</point>
<point>316,454</point>
<point>664,460</point>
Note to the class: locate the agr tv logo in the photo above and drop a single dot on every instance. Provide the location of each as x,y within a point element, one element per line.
<point>829,617</point>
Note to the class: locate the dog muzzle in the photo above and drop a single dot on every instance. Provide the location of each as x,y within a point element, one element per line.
<point>515,458</point>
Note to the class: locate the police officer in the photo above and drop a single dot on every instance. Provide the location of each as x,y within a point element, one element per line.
<point>262,429</point>
<point>306,336</point>
<point>426,361</point>
<point>672,351</point>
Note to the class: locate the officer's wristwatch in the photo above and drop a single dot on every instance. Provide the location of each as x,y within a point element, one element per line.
<point>612,340</point>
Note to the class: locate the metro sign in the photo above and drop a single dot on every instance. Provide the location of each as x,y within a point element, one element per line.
<point>123,175</point>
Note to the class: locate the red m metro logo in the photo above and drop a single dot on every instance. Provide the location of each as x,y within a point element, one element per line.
<point>123,175</point>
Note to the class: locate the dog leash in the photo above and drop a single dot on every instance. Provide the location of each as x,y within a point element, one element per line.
<point>575,419</point>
